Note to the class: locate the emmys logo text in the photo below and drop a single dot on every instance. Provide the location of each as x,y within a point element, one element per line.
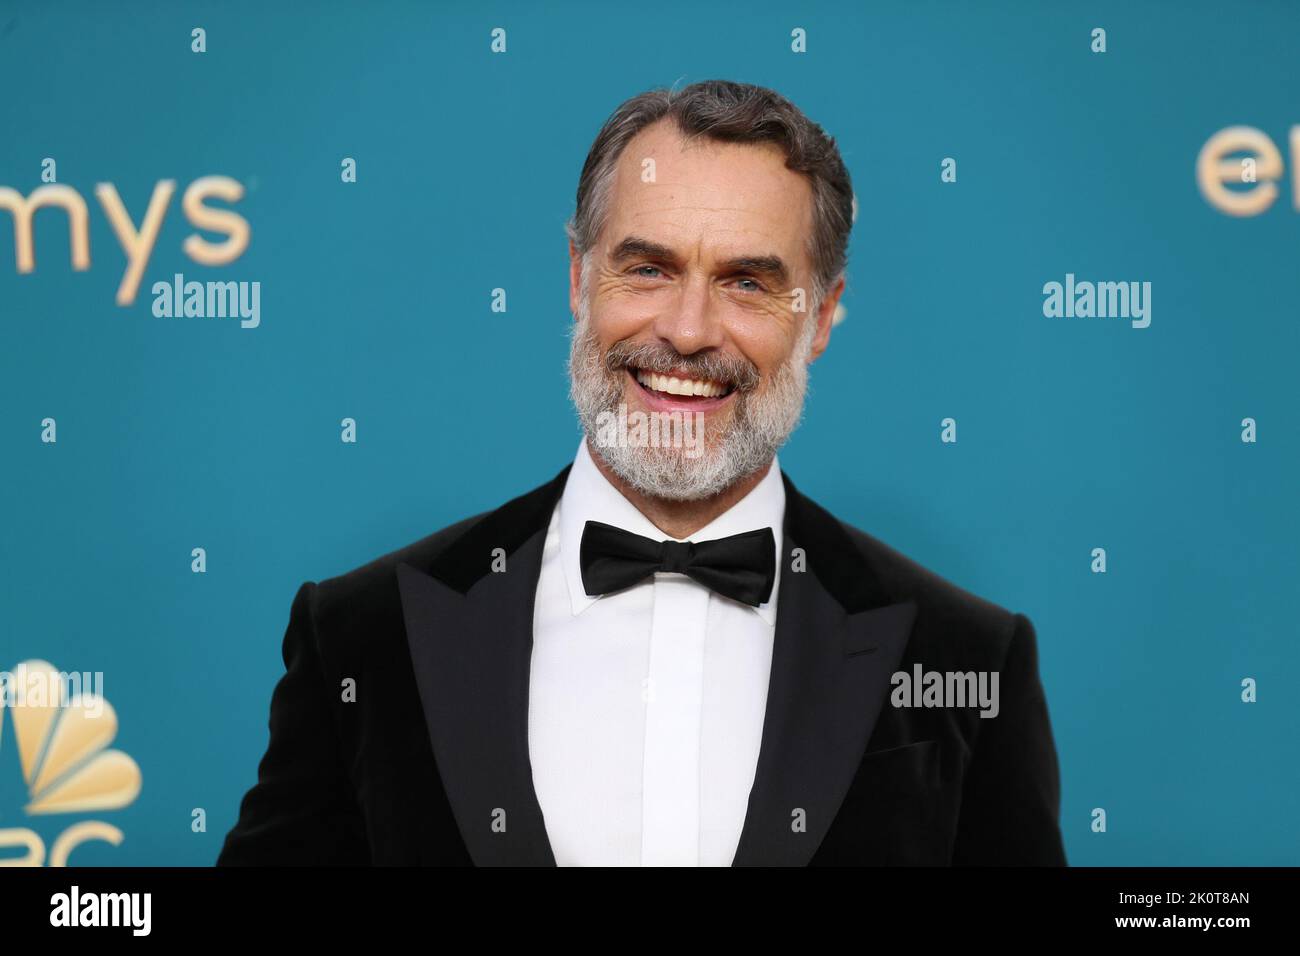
<point>137,241</point>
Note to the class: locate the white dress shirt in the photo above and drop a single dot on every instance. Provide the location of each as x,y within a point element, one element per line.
<point>646,706</point>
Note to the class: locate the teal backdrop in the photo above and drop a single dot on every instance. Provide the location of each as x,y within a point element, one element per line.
<point>1073,434</point>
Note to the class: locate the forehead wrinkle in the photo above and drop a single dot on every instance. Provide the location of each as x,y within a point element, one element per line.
<point>688,200</point>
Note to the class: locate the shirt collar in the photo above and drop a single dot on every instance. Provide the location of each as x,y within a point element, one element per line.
<point>589,496</point>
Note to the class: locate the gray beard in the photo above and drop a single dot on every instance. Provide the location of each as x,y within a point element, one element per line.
<point>760,424</point>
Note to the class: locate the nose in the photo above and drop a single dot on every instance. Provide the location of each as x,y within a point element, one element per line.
<point>691,322</point>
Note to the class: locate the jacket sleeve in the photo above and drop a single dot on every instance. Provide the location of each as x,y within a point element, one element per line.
<point>301,811</point>
<point>1010,805</point>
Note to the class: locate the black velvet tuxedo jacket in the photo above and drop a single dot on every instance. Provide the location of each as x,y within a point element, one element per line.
<point>429,764</point>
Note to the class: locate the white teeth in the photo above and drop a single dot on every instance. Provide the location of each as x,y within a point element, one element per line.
<point>677,386</point>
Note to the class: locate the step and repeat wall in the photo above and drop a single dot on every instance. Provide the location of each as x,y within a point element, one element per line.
<point>284,288</point>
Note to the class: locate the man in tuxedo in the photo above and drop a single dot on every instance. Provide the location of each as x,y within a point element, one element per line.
<point>666,654</point>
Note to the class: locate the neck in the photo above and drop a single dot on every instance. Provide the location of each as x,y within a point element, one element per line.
<point>680,519</point>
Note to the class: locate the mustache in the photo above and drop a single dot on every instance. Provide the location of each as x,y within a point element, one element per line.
<point>739,373</point>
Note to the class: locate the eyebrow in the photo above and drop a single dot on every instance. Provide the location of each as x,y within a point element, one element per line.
<point>771,266</point>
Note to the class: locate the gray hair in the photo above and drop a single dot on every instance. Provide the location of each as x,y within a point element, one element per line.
<point>732,113</point>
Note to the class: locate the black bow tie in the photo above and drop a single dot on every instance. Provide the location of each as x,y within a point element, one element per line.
<point>741,567</point>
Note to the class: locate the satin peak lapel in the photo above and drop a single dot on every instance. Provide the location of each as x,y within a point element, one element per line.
<point>839,637</point>
<point>470,632</point>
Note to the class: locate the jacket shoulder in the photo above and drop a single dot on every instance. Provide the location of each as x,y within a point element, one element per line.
<point>371,588</point>
<point>949,616</point>
<point>367,597</point>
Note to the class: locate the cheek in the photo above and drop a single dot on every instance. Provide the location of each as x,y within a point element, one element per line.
<point>617,317</point>
<point>765,340</point>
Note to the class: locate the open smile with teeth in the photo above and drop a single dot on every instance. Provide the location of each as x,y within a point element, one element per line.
<point>672,385</point>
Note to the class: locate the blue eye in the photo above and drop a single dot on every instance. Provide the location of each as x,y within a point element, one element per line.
<point>640,273</point>
<point>755,287</point>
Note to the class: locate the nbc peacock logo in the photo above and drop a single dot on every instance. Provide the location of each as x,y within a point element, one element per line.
<point>62,736</point>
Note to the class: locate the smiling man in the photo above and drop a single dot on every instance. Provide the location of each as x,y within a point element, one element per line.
<point>666,655</point>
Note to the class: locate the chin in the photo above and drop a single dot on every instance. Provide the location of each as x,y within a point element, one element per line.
<point>671,476</point>
<point>675,477</point>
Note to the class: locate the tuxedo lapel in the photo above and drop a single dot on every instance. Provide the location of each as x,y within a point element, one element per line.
<point>839,636</point>
<point>470,631</point>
